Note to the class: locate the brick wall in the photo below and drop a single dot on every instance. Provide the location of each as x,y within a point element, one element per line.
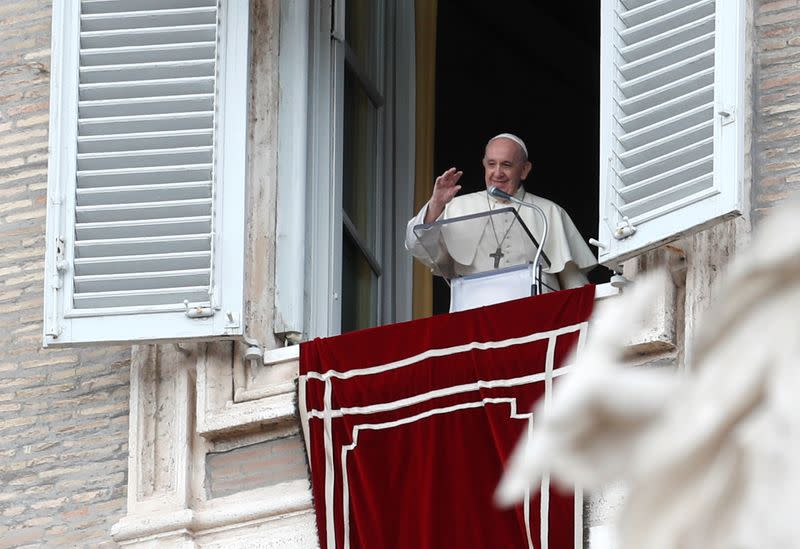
<point>777,104</point>
<point>63,413</point>
<point>255,466</point>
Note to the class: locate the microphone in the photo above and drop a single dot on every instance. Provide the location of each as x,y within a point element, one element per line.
<point>497,193</point>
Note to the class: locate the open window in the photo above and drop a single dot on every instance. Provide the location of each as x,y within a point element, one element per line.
<point>632,111</point>
<point>643,96</point>
<point>145,237</point>
<point>533,72</point>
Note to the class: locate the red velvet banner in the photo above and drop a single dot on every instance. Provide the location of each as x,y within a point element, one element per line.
<point>408,426</point>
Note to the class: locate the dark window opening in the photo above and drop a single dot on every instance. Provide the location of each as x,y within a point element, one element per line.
<point>530,68</point>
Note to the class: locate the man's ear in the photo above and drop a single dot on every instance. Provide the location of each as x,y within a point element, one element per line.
<point>526,169</point>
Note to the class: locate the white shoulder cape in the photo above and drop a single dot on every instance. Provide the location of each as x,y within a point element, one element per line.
<point>564,242</point>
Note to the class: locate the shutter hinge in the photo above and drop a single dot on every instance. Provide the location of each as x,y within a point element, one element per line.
<point>52,328</point>
<point>61,264</point>
<point>197,311</point>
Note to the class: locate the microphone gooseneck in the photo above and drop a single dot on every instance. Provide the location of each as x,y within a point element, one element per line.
<point>497,193</point>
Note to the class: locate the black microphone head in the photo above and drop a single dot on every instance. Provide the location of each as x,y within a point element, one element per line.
<point>497,193</point>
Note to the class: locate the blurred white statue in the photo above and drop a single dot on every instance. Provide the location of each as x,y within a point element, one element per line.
<point>710,456</point>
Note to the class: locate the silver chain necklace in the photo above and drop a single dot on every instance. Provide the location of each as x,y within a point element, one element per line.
<point>498,253</point>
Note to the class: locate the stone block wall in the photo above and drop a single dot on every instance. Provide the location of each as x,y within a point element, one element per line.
<point>63,412</point>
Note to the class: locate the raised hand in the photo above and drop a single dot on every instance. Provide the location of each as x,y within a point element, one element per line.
<point>444,189</point>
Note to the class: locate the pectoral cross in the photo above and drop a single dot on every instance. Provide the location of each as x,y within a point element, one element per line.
<point>497,255</point>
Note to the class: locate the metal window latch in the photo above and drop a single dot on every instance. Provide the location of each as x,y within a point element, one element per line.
<point>197,311</point>
<point>624,229</point>
<point>727,113</point>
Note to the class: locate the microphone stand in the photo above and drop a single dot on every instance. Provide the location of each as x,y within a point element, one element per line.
<point>537,265</point>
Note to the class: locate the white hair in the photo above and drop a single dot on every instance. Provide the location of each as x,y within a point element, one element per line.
<point>513,138</point>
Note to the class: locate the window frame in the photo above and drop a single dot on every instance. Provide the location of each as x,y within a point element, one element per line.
<point>321,155</point>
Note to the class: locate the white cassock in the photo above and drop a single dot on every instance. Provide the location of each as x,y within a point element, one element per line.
<point>470,247</point>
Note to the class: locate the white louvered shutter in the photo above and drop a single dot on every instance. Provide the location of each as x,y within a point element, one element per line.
<point>672,93</point>
<point>148,134</point>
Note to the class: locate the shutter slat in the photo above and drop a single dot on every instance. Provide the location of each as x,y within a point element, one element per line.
<point>667,92</point>
<point>120,247</point>
<point>146,88</point>
<point>686,199</point>
<point>674,159</point>
<point>144,228</point>
<point>146,123</point>
<point>145,141</point>
<point>148,18</point>
<point>667,180</point>
<point>667,39</point>
<point>677,123</point>
<point>660,112</point>
<point>116,6</point>
<point>143,193</point>
<point>143,210</point>
<point>142,281</point>
<point>656,201</point>
<point>666,75</point>
<point>652,10</point>
<point>660,147</point>
<point>148,36</point>
<point>631,4</point>
<point>672,19</point>
<point>664,58</point>
<point>145,158</point>
<point>144,176</point>
<point>147,54</point>
<point>142,263</point>
<point>174,104</point>
<point>159,70</point>
<point>141,298</point>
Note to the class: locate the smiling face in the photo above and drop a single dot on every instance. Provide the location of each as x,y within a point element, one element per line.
<point>504,165</point>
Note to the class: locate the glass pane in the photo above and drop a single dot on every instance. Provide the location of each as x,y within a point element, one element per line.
<point>360,32</point>
<point>359,288</point>
<point>359,167</point>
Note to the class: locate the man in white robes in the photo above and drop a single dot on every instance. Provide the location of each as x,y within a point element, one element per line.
<point>494,242</point>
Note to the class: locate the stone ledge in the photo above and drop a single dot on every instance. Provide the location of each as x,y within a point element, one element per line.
<point>246,416</point>
<point>240,510</point>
